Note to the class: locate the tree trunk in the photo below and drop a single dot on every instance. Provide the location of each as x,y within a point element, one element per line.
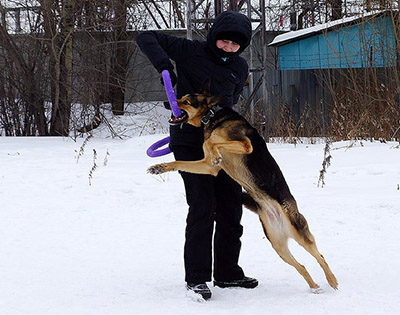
<point>59,44</point>
<point>118,58</point>
<point>63,72</point>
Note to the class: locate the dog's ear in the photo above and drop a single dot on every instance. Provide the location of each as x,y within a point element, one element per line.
<point>210,100</point>
<point>213,100</point>
<point>205,88</point>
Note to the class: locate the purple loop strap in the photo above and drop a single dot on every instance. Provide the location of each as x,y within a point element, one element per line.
<point>153,151</point>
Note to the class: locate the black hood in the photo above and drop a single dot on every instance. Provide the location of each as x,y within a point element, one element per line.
<point>229,21</point>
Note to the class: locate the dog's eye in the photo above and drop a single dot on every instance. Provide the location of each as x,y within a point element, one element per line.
<point>185,102</point>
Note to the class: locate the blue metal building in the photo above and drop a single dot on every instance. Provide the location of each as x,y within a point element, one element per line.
<point>355,42</point>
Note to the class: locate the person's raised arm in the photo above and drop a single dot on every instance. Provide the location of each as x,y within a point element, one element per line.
<point>160,48</point>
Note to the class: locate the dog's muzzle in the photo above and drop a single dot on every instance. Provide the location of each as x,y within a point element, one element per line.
<point>179,120</point>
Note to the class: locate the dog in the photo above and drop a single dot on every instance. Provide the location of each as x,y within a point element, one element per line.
<point>233,145</point>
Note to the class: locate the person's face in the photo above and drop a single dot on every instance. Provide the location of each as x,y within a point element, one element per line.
<point>227,45</point>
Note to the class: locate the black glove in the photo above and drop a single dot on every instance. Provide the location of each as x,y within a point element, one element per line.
<point>167,105</point>
<point>172,75</point>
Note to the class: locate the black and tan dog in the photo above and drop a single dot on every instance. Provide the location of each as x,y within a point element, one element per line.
<point>233,145</point>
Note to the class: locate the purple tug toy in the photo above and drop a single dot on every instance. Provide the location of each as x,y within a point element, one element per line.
<point>153,150</point>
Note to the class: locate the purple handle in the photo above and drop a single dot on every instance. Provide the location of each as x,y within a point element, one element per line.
<point>153,152</point>
<point>171,94</point>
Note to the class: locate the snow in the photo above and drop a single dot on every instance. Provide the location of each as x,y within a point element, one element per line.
<point>283,38</point>
<point>112,244</point>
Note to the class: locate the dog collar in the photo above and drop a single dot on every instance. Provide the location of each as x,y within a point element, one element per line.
<point>210,114</point>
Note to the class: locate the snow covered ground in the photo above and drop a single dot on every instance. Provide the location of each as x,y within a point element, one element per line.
<point>110,241</point>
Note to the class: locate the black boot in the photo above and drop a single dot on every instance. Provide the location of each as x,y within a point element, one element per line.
<point>200,288</point>
<point>246,282</point>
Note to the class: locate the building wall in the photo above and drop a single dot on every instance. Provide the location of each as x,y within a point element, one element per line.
<point>369,44</point>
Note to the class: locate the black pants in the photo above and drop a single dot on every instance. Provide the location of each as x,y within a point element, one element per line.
<point>211,199</point>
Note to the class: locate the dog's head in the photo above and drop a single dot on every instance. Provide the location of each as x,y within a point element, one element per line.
<point>194,106</point>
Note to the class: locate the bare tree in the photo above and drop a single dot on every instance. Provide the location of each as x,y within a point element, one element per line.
<point>22,103</point>
<point>101,28</point>
<point>118,57</point>
<point>58,21</point>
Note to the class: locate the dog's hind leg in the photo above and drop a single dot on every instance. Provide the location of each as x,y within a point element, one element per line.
<point>279,239</point>
<point>281,247</point>
<point>300,232</point>
<point>311,247</point>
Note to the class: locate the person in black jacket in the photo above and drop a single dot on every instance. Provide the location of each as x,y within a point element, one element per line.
<point>210,199</point>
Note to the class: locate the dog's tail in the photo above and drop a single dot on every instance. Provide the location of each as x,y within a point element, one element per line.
<point>250,203</point>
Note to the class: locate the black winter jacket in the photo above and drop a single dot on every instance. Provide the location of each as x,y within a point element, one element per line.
<point>195,62</point>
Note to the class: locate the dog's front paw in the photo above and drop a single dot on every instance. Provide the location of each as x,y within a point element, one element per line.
<point>217,161</point>
<point>157,169</point>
